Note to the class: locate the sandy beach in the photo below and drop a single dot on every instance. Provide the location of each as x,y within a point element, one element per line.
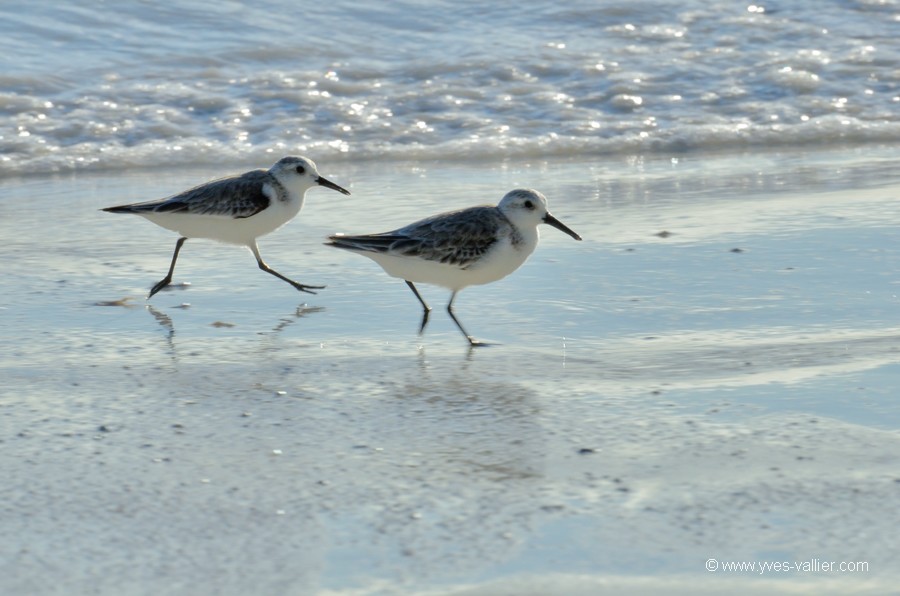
<point>711,375</point>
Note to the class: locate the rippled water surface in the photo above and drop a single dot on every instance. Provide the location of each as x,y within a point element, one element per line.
<point>103,85</point>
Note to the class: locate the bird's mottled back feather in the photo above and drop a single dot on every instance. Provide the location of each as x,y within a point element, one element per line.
<point>455,238</point>
<point>234,196</point>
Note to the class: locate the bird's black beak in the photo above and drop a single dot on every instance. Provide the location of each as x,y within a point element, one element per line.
<point>329,184</point>
<point>549,219</point>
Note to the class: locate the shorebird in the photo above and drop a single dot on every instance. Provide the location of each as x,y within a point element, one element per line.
<point>458,249</point>
<point>236,209</point>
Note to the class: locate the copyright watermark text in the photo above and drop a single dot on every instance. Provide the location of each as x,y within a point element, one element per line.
<point>808,566</point>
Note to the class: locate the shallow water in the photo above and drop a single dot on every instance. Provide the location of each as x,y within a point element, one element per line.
<point>726,389</point>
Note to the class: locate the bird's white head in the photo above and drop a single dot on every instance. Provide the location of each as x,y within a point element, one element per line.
<point>527,207</point>
<point>300,174</point>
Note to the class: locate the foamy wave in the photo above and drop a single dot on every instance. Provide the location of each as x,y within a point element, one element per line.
<point>29,158</point>
<point>691,76</point>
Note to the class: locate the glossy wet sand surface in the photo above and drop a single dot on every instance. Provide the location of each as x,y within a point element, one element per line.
<point>711,373</point>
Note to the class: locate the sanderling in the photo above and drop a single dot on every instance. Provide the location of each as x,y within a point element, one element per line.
<point>460,248</point>
<point>236,209</point>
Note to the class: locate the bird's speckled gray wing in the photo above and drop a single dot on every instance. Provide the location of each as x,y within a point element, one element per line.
<point>457,238</point>
<point>234,196</point>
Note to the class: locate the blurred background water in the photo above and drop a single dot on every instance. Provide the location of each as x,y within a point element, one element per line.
<point>112,84</point>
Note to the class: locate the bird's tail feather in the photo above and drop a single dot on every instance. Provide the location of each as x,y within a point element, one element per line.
<point>119,209</point>
<point>371,243</point>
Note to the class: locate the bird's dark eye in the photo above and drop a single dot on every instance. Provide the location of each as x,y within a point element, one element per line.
<point>529,205</point>
<point>301,170</point>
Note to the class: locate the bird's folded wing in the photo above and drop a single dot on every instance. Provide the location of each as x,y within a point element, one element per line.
<point>457,238</point>
<point>236,197</point>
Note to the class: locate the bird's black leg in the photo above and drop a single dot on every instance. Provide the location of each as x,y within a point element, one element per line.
<point>472,341</point>
<point>168,278</point>
<point>267,269</point>
<point>427,309</point>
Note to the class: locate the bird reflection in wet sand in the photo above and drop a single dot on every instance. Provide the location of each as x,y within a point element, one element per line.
<point>302,311</point>
<point>165,322</point>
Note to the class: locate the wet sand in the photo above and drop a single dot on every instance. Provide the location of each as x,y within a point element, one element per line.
<point>711,374</point>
